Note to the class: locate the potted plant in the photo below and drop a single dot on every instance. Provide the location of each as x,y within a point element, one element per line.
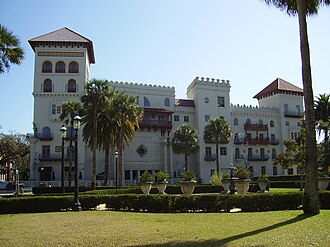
<point>243,180</point>
<point>323,180</point>
<point>263,182</point>
<point>226,182</point>
<point>188,182</point>
<point>146,182</point>
<point>161,179</point>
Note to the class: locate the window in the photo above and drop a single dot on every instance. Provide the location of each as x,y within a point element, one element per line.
<point>207,118</point>
<point>223,151</point>
<point>271,123</point>
<point>137,101</point>
<point>208,152</point>
<point>272,138</point>
<point>46,132</point>
<point>206,100</point>
<point>248,121</point>
<point>72,86</point>
<point>176,118</point>
<point>58,149</point>
<point>263,170</point>
<point>273,153</point>
<point>167,102</point>
<point>58,109</point>
<point>286,108</point>
<point>262,152</point>
<point>237,153</point>
<point>221,101</point>
<point>235,121</point>
<point>261,136</point>
<point>260,122</point>
<point>45,151</point>
<point>287,123</point>
<point>47,67</point>
<point>48,86</point>
<point>73,67</point>
<point>60,67</point>
<point>212,172</point>
<point>53,109</point>
<point>127,175</point>
<point>186,119</point>
<point>70,132</point>
<point>274,170</point>
<point>294,136</point>
<point>298,109</point>
<point>146,101</point>
<point>249,152</point>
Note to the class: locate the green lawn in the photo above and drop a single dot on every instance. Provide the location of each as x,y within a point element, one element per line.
<point>107,228</point>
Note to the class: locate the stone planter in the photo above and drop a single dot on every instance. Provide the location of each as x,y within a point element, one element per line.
<point>146,187</point>
<point>262,185</point>
<point>323,183</point>
<point>187,187</point>
<point>225,184</point>
<point>161,187</point>
<point>242,186</point>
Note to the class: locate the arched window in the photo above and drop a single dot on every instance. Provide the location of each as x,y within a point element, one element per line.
<point>60,67</point>
<point>73,67</point>
<point>47,86</point>
<point>235,121</point>
<point>46,132</point>
<point>146,101</point>
<point>248,121</point>
<point>271,123</point>
<point>237,155</point>
<point>47,67</point>
<point>72,87</point>
<point>167,102</point>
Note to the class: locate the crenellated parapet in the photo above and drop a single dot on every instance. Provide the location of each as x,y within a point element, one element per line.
<point>244,110</point>
<point>209,82</point>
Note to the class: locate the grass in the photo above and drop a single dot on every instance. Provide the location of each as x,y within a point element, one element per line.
<point>107,228</point>
<point>280,190</point>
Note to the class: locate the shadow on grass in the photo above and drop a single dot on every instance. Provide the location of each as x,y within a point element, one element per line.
<point>225,241</point>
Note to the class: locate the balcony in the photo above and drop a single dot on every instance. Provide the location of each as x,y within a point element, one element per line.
<point>53,157</point>
<point>239,157</point>
<point>210,157</point>
<point>258,127</point>
<point>292,114</point>
<point>43,136</point>
<point>274,141</point>
<point>156,118</point>
<point>257,141</point>
<point>239,141</point>
<point>261,157</point>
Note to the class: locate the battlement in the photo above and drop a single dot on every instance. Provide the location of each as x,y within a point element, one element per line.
<point>141,86</point>
<point>206,81</point>
<point>254,109</point>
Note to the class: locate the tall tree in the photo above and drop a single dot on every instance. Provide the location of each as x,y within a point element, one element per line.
<point>217,131</point>
<point>304,8</point>
<point>10,50</point>
<point>322,111</point>
<point>70,109</point>
<point>93,100</point>
<point>185,141</point>
<point>127,121</point>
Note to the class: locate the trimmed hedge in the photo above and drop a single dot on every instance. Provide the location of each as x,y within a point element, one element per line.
<point>251,202</point>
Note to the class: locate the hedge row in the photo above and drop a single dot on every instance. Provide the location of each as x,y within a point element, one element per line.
<point>251,202</point>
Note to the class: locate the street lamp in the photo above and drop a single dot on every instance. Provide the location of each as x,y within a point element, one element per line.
<point>116,157</point>
<point>63,135</point>
<point>76,126</point>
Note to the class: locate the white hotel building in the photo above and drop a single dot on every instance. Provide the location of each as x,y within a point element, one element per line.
<point>62,65</point>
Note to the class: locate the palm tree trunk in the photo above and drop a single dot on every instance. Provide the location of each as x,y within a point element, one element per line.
<point>217,155</point>
<point>93,184</point>
<point>186,161</point>
<point>106,165</point>
<point>311,195</point>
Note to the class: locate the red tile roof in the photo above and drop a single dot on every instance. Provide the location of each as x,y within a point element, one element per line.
<point>279,86</point>
<point>184,102</point>
<point>64,35</point>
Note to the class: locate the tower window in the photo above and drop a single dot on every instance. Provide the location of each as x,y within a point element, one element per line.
<point>167,102</point>
<point>146,101</point>
<point>60,67</point>
<point>47,67</point>
<point>72,87</point>
<point>73,67</point>
<point>48,86</point>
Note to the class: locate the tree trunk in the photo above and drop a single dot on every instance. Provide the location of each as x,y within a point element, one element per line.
<point>217,155</point>
<point>120,156</point>
<point>93,184</point>
<point>106,165</point>
<point>311,195</point>
<point>186,161</point>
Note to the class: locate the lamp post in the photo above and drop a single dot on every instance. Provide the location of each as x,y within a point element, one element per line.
<point>76,126</point>
<point>116,157</point>
<point>63,135</point>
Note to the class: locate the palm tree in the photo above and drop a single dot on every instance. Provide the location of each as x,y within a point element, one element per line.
<point>127,121</point>
<point>303,9</point>
<point>10,50</point>
<point>94,99</point>
<point>107,128</point>
<point>217,131</point>
<point>322,111</point>
<point>70,109</point>
<point>185,140</point>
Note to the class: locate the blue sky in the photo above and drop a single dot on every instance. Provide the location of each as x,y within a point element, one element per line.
<point>168,43</point>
